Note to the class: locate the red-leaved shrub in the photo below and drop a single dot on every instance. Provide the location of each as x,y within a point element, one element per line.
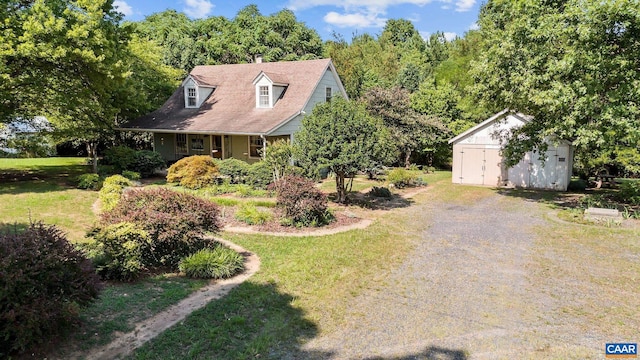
<point>43,281</point>
<point>174,221</point>
<point>302,202</point>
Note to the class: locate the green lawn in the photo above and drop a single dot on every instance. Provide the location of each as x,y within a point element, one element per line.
<point>42,190</point>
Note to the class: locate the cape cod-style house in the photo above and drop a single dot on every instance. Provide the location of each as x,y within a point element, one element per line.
<point>235,110</point>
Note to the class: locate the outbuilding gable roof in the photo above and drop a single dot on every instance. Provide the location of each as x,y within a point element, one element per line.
<point>496,117</point>
<point>231,108</point>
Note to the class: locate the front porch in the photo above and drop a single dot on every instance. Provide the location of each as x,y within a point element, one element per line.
<point>175,146</point>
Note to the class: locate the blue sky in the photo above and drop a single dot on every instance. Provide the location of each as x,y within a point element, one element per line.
<point>346,17</point>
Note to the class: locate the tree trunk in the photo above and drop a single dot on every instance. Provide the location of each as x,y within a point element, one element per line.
<point>93,154</point>
<point>340,190</point>
<point>407,157</point>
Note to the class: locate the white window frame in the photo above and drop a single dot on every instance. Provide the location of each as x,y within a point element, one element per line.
<point>264,96</point>
<point>184,149</point>
<point>328,94</point>
<point>257,146</point>
<point>189,97</point>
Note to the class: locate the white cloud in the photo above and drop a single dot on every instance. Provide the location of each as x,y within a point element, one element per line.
<point>198,8</point>
<point>450,35</point>
<point>123,7</point>
<point>359,20</point>
<point>474,26</point>
<point>464,5</point>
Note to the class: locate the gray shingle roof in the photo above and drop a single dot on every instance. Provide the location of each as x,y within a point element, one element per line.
<point>231,108</point>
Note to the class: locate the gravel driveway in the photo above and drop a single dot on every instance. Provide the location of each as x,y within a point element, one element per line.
<point>465,293</point>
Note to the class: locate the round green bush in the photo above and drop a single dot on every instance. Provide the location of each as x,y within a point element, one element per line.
<point>120,250</point>
<point>217,263</point>
<point>235,170</point>
<point>401,178</point>
<point>378,191</point>
<point>43,282</point>
<point>260,175</point>
<point>89,182</point>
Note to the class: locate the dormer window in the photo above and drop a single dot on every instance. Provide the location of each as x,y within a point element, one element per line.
<point>192,97</point>
<point>264,97</point>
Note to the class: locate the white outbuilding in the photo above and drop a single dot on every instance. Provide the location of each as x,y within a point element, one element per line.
<point>477,158</point>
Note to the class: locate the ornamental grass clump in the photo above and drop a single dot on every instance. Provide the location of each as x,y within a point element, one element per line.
<point>194,172</point>
<point>44,281</point>
<point>217,263</point>
<point>250,214</point>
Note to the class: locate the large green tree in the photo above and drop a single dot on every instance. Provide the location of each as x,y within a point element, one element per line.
<point>410,130</point>
<point>572,64</point>
<point>339,135</point>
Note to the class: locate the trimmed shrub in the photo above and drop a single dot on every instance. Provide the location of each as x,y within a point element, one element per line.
<point>302,202</point>
<point>250,214</point>
<point>112,190</point>
<point>124,158</point>
<point>217,263</point>
<point>235,170</point>
<point>119,251</point>
<point>193,172</point>
<point>174,221</point>
<point>146,162</point>
<point>120,157</point>
<point>401,178</point>
<point>378,191</point>
<point>260,175</point>
<point>43,281</point>
<point>629,192</point>
<point>131,175</point>
<point>577,185</point>
<point>89,182</point>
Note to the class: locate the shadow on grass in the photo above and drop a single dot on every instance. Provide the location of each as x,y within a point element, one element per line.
<point>430,353</point>
<point>562,200</point>
<point>368,201</point>
<point>253,320</point>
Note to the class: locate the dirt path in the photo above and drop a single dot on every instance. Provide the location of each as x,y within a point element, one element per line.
<point>466,292</point>
<point>152,327</point>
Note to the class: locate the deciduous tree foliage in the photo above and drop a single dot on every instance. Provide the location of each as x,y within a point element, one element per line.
<point>573,64</point>
<point>341,136</point>
<point>410,130</point>
<point>218,40</point>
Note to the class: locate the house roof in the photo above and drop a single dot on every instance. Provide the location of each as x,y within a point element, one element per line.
<point>496,117</point>
<point>231,107</point>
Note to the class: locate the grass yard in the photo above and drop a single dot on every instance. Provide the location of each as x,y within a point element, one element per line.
<point>42,190</point>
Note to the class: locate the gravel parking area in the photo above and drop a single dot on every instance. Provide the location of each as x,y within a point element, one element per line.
<point>470,290</point>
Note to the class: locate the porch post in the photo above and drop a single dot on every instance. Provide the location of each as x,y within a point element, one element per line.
<point>264,146</point>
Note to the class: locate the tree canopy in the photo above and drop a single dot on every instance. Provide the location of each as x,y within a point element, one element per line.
<point>574,65</point>
<point>340,136</point>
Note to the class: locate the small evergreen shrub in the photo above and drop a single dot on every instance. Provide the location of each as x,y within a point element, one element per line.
<point>577,185</point>
<point>43,281</point>
<point>89,182</point>
<point>120,250</point>
<point>302,202</point>
<point>193,172</point>
<point>235,170</point>
<point>123,158</point>
<point>131,175</point>
<point>174,221</point>
<point>260,175</point>
<point>378,191</point>
<point>217,263</point>
<point>401,178</point>
<point>120,157</point>
<point>250,214</point>
<point>630,192</point>
<point>112,190</point>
